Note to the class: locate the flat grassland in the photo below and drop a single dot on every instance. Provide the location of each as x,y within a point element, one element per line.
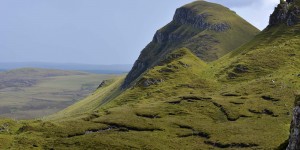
<point>33,93</point>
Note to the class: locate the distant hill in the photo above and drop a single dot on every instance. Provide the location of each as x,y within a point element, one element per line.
<point>100,69</point>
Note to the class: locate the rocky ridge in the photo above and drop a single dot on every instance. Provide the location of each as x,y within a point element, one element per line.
<point>187,16</point>
<point>196,26</point>
<point>294,140</point>
<point>287,13</point>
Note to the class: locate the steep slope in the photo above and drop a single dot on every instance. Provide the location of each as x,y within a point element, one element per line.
<point>208,33</point>
<point>179,104</point>
<point>243,100</point>
<point>88,105</point>
<point>286,13</point>
<point>294,140</point>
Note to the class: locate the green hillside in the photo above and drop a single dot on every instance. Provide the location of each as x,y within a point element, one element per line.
<point>189,109</point>
<point>90,103</point>
<point>208,33</point>
<point>242,100</point>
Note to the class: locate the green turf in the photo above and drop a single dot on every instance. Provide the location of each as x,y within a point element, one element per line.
<point>208,44</point>
<point>243,100</point>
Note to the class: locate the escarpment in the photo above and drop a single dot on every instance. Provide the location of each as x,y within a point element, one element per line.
<point>186,16</point>
<point>209,34</point>
<point>286,12</point>
<point>294,140</point>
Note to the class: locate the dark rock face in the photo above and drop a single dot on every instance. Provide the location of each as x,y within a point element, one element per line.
<point>285,12</point>
<point>241,69</point>
<point>103,83</point>
<point>294,140</point>
<point>189,17</point>
<point>161,37</point>
<point>138,68</point>
<point>151,81</point>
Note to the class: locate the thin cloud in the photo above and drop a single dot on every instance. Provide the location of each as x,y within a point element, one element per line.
<point>256,12</point>
<point>235,3</point>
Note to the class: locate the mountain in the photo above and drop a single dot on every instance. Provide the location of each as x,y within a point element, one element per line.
<point>208,33</point>
<point>241,100</point>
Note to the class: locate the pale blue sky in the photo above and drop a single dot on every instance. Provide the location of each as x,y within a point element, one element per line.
<point>95,31</point>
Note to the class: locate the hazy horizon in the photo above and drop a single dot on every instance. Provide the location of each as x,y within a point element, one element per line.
<point>95,32</point>
<point>71,63</point>
<point>113,68</point>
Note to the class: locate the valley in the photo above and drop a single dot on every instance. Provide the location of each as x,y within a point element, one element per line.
<point>33,93</point>
<point>207,80</point>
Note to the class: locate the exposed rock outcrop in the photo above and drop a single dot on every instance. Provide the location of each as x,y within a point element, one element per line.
<point>294,140</point>
<point>102,84</point>
<point>161,37</point>
<point>187,16</point>
<point>285,12</point>
<point>152,81</point>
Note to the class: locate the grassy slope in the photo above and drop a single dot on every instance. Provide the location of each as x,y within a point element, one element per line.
<point>207,44</point>
<point>194,105</point>
<point>241,31</point>
<point>31,93</point>
<point>191,104</point>
<point>90,103</point>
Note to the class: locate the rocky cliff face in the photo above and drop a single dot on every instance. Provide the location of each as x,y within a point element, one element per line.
<point>285,13</point>
<point>294,140</point>
<point>186,16</point>
<point>192,27</point>
<point>189,17</point>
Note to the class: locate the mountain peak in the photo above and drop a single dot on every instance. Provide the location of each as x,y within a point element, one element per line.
<point>200,18</point>
<point>202,15</point>
<point>208,33</point>
<point>287,12</point>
